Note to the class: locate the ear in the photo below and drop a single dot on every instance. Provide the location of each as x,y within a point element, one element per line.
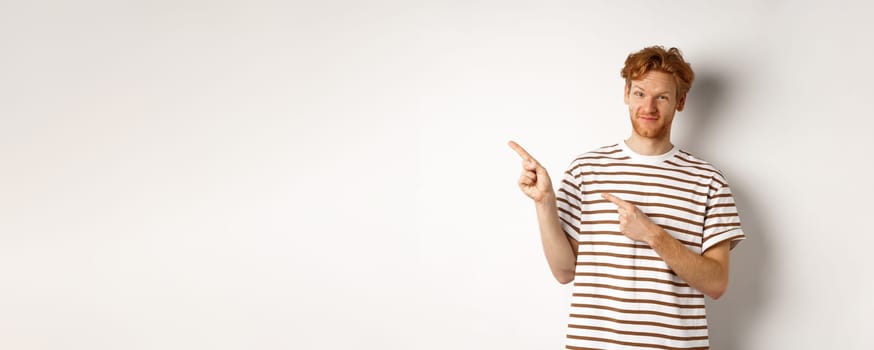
<point>681,103</point>
<point>626,93</point>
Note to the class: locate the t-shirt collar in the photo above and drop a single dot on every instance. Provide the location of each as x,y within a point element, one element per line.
<point>653,160</point>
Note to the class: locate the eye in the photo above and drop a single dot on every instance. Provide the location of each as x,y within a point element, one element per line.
<point>663,97</point>
<point>638,93</point>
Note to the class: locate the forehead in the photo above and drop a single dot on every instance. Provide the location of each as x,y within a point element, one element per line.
<point>656,82</point>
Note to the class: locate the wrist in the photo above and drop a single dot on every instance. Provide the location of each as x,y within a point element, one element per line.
<point>656,236</point>
<point>548,199</point>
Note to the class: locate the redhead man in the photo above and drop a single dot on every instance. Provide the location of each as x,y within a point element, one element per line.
<point>642,228</point>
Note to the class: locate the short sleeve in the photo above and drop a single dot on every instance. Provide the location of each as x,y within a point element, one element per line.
<point>568,202</point>
<point>721,221</point>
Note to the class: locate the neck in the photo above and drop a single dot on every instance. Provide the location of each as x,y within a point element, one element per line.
<point>649,146</point>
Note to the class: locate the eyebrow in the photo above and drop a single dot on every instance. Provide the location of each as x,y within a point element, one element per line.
<point>657,93</point>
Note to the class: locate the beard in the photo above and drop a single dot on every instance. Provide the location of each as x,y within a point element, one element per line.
<point>650,131</point>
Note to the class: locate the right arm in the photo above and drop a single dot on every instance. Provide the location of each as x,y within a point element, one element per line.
<point>560,249</point>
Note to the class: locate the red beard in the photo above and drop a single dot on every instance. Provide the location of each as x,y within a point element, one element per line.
<point>650,129</point>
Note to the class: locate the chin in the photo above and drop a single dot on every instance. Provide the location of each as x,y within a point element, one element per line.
<point>650,133</point>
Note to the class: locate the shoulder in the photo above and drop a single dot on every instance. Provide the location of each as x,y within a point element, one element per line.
<point>602,153</point>
<point>686,160</point>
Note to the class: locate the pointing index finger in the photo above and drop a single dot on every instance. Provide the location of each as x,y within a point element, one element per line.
<point>616,200</point>
<point>521,151</point>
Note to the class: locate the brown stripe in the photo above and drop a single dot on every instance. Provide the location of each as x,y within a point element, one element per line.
<point>635,165</point>
<point>626,343</point>
<point>635,278</point>
<point>617,233</point>
<point>723,195</point>
<point>598,222</point>
<point>720,233</point>
<point>662,205</point>
<point>641,183</point>
<point>722,205</point>
<point>675,218</point>
<point>607,211</point>
<point>695,183</point>
<point>641,323</point>
<point>581,158</point>
<point>626,245</point>
<point>691,166</point>
<point>642,257</point>
<point>728,215</point>
<point>599,151</point>
<point>695,162</point>
<point>571,195</point>
<point>626,267</point>
<point>730,224</point>
<point>565,201</point>
<point>644,312</point>
<point>614,233</point>
<point>690,160</point>
<point>640,334</point>
<point>645,204</point>
<point>570,184</point>
<point>568,213</point>
<point>579,348</point>
<point>665,227</point>
<point>637,301</point>
<point>654,194</point>
<point>688,232</point>
<point>641,290</point>
<point>569,224</point>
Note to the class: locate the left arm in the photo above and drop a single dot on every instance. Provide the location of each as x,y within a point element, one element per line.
<point>707,272</point>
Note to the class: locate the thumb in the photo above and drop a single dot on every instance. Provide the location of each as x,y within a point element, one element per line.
<point>540,171</point>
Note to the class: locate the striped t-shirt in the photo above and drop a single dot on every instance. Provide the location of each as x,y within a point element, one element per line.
<point>624,295</point>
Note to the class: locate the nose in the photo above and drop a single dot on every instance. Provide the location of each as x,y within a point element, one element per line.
<point>649,105</point>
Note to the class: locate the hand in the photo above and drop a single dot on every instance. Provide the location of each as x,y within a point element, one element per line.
<point>633,223</point>
<point>534,180</point>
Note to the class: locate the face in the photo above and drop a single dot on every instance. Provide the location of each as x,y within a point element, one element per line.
<point>652,101</point>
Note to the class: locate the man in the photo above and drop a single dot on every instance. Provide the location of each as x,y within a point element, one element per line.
<point>642,228</point>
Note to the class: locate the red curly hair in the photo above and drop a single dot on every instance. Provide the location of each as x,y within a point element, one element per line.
<point>657,58</point>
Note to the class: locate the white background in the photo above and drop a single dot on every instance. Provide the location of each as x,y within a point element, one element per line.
<point>334,174</point>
